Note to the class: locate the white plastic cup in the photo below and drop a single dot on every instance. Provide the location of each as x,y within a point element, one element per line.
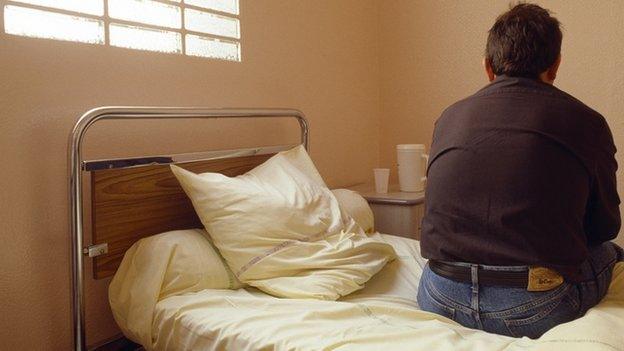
<point>412,162</point>
<point>382,175</point>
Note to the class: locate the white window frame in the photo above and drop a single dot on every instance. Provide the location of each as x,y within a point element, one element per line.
<point>183,31</point>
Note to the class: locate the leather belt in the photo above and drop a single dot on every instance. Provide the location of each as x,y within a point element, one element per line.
<point>515,279</point>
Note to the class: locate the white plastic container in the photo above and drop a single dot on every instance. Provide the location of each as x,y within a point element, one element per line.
<point>381,179</point>
<point>412,162</point>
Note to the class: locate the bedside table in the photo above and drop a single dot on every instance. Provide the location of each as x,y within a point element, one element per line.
<point>396,212</point>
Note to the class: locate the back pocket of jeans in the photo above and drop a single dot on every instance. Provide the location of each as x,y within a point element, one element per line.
<point>432,302</point>
<point>536,321</point>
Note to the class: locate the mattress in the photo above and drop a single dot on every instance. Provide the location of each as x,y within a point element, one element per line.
<point>382,316</point>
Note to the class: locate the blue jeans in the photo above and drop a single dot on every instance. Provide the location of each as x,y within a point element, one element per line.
<point>517,312</point>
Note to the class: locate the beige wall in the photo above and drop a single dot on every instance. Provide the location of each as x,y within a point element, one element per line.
<point>317,56</point>
<point>431,52</point>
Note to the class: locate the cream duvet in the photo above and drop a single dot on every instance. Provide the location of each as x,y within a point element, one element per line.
<point>382,316</point>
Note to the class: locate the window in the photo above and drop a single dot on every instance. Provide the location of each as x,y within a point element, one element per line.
<point>205,28</point>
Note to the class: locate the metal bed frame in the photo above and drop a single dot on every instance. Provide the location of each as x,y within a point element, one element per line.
<point>77,166</point>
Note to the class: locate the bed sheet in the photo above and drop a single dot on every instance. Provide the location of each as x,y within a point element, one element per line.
<point>382,316</point>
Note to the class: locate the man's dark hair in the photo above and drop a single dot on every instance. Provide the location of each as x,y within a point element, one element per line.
<point>524,42</point>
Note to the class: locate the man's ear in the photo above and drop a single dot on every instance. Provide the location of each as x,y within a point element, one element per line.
<point>551,74</point>
<point>488,69</point>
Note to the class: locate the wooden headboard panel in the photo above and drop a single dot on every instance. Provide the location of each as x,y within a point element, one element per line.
<point>132,203</point>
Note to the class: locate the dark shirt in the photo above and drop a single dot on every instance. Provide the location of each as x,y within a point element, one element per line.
<point>520,173</point>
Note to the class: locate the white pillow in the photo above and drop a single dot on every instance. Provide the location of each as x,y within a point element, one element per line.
<point>357,207</point>
<point>281,229</point>
<point>159,266</point>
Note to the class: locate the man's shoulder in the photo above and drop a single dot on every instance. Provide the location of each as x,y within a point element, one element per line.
<point>558,99</point>
<point>578,104</point>
<point>458,106</point>
<point>468,101</point>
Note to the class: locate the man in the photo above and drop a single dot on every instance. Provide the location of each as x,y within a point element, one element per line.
<point>521,199</point>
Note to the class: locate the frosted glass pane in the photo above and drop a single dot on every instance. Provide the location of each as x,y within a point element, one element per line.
<point>145,38</point>
<point>49,25</point>
<point>208,47</point>
<point>92,7</point>
<point>146,11</point>
<point>209,23</point>
<point>230,6</point>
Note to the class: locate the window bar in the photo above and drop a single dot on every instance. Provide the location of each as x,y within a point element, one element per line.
<point>183,28</point>
<point>2,30</point>
<point>106,24</point>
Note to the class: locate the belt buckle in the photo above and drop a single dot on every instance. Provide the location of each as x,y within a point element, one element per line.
<point>543,279</point>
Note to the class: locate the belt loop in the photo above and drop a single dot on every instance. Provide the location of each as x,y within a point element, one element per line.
<point>474,274</point>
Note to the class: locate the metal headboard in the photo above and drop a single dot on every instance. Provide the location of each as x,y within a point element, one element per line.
<point>76,167</point>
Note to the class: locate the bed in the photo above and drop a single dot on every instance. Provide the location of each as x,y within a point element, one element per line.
<point>382,316</point>
<point>132,199</point>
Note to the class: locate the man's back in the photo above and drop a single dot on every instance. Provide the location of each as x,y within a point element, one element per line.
<point>521,197</point>
<point>521,173</point>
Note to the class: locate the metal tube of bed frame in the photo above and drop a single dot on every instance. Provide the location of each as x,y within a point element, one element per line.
<point>75,177</point>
